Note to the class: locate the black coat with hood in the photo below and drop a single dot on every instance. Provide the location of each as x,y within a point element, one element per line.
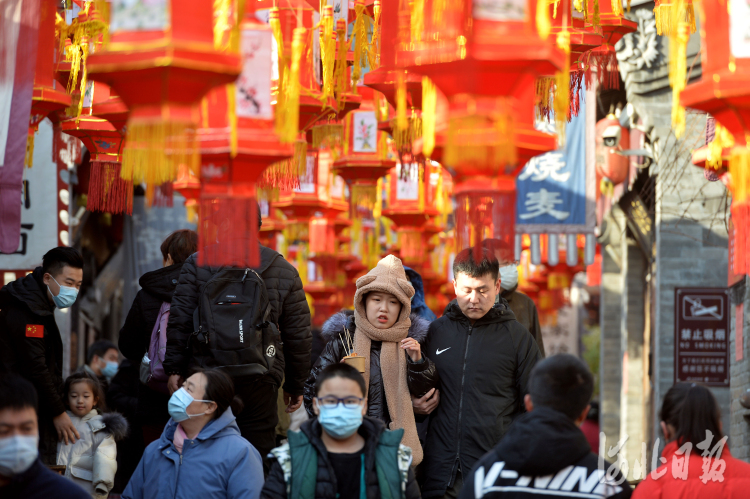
<point>544,455</point>
<point>422,376</point>
<point>325,486</point>
<point>484,370</point>
<point>157,287</point>
<point>525,311</point>
<point>290,313</point>
<point>24,303</point>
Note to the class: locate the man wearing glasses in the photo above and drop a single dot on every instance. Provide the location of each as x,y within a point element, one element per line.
<point>342,453</point>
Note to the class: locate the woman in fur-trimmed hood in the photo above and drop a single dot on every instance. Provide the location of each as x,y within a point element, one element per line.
<point>382,323</point>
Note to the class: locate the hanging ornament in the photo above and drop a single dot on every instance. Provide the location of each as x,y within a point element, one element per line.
<point>162,59</point>
<point>670,13</point>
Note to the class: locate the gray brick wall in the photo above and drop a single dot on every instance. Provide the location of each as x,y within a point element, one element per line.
<point>740,378</point>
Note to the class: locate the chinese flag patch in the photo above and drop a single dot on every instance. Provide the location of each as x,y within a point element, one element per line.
<point>34,331</point>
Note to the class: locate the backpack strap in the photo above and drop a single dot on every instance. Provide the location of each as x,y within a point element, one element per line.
<point>392,461</point>
<point>304,464</point>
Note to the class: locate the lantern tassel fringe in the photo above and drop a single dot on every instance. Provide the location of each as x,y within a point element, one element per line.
<point>108,192</point>
<point>155,149</point>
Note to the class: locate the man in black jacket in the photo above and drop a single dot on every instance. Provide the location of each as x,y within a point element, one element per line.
<point>290,312</point>
<point>484,358</point>
<point>546,453</point>
<point>30,342</point>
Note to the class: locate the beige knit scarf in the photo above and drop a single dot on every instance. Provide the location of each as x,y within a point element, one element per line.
<point>389,277</point>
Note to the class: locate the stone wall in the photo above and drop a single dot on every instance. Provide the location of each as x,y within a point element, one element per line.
<point>739,377</point>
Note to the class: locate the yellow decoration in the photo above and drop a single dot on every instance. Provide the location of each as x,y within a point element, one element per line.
<point>327,50</point>
<point>617,7</point>
<point>669,15</point>
<point>402,122</point>
<point>374,52</point>
<point>562,87</point>
<point>362,51</point>
<point>722,139</point>
<point>678,74</point>
<point>145,159</point>
<point>739,171</point>
<point>429,107</point>
<point>543,24</point>
<point>287,108</point>
<point>340,71</point>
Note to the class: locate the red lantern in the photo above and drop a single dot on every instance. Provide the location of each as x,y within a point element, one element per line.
<point>479,57</point>
<point>47,96</point>
<point>723,93</point>
<point>238,141</point>
<point>161,60</point>
<point>411,203</point>
<point>611,167</point>
<point>485,209</point>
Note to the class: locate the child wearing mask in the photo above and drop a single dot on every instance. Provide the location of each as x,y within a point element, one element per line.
<point>342,452</point>
<point>383,331</point>
<point>91,461</point>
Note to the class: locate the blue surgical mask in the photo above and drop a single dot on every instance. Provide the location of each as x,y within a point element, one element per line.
<point>340,422</point>
<point>66,297</point>
<point>17,454</point>
<point>110,369</point>
<point>508,277</point>
<point>178,404</point>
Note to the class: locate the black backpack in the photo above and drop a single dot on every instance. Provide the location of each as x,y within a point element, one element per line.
<point>232,327</point>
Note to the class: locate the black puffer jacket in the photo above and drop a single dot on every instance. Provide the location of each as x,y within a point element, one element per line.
<point>544,455</point>
<point>422,377</point>
<point>24,303</point>
<point>290,313</point>
<point>135,336</point>
<point>484,371</point>
<point>325,486</point>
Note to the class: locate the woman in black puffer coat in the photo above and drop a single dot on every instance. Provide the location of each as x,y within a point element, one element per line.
<point>422,377</point>
<point>135,336</point>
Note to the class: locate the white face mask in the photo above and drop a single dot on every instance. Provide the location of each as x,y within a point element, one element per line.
<point>17,454</point>
<point>508,277</point>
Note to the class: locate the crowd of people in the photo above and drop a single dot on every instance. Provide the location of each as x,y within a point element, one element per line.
<point>395,402</point>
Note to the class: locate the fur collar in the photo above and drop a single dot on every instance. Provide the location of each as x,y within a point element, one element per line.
<point>345,319</point>
<point>115,424</point>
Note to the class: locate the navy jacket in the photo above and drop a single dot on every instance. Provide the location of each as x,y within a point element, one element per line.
<point>38,482</point>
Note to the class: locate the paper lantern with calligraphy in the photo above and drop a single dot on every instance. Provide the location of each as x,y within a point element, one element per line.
<point>364,157</point>
<point>47,97</point>
<point>411,203</point>
<point>161,60</point>
<point>238,141</point>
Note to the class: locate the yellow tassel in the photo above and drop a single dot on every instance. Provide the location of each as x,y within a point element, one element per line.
<point>401,119</point>
<point>429,110</point>
<point>739,170</point>
<point>288,126</point>
<point>554,8</point>
<point>628,6</point>
<point>421,186</point>
<point>543,23</point>
<point>29,159</point>
<point>232,117</point>
<point>617,7</point>
<point>275,22</point>
<point>690,13</point>
<point>364,196</point>
<point>722,139</point>
<point>340,74</point>
<point>222,24</point>
<point>327,50</point>
<point>377,209</point>
<point>562,87</point>
<point>155,149</point>
<point>545,96</point>
<point>416,14</point>
<point>678,74</point>
<point>596,21</point>
<point>374,52</point>
<point>361,28</point>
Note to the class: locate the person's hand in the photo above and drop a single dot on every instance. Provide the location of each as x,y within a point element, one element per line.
<point>413,348</point>
<point>174,383</point>
<point>426,404</point>
<point>293,402</point>
<point>66,431</point>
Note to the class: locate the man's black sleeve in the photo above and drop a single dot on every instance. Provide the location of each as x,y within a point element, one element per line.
<point>180,325</point>
<point>294,326</point>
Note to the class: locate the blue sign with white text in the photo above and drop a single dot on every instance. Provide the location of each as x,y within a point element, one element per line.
<point>551,188</point>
